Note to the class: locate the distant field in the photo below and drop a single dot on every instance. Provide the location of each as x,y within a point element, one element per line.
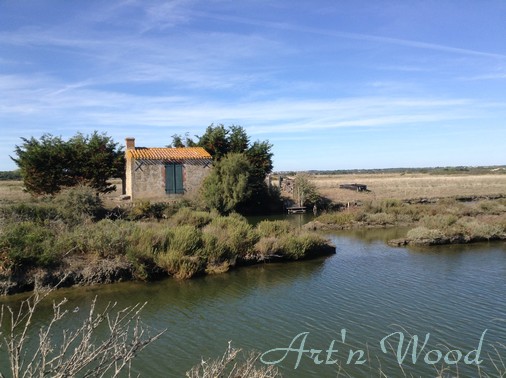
<point>12,191</point>
<point>408,186</point>
<point>381,186</point>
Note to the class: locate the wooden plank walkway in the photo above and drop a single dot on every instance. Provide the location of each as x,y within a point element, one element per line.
<point>296,209</point>
<point>357,187</point>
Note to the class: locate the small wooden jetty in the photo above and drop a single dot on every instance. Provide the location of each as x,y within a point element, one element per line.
<point>296,209</point>
<point>357,187</point>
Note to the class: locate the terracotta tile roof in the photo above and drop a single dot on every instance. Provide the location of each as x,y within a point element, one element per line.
<point>177,154</point>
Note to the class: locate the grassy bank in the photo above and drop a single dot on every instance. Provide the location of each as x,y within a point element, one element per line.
<point>74,231</point>
<point>444,221</point>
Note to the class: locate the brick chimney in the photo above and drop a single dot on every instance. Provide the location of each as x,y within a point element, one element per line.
<point>130,143</point>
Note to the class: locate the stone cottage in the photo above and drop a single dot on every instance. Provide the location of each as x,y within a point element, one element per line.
<point>164,172</point>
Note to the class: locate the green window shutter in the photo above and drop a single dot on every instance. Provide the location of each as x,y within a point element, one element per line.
<point>178,174</point>
<point>169,179</point>
<point>174,179</point>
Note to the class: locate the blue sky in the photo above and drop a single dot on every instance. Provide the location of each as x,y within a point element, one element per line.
<point>331,84</point>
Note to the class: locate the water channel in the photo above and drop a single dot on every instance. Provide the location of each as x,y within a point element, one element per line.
<point>362,294</point>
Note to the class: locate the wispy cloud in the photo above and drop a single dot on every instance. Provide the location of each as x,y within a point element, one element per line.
<point>105,109</point>
<point>355,36</point>
<point>491,76</point>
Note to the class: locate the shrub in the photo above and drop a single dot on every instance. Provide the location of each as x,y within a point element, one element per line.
<point>102,343</point>
<point>304,245</point>
<point>34,212</point>
<point>231,236</point>
<point>182,259</point>
<point>419,234</point>
<point>439,221</point>
<point>26,244</point>
<point>105,238</point>
<point>291,246</point>
<point>477,230</point>
<point>148,210</point>
<point>341,218</point>
<point>380,219</point>
<point>180,266</point>
<point>186,239</point>
<point>382,206</point>
<point>78,204</point>
<point>149,238</point>
<point>187,216</point>
<point>269,246</point>
<point>273,228</point>
<point>227,186</point>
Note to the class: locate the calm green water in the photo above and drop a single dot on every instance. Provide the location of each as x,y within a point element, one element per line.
<point>367,289</point>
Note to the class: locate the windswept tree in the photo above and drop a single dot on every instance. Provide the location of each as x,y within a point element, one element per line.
<point>226,187</point>
<point>220,142</point>
<point>49,164</point>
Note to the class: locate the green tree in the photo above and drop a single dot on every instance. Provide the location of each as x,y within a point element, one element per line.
<point>178,141</point>
<point>238,140</point>
<point>220,142</point>
<point>226,187</point>
<point>50,164</point>
<point>43,163</point>
<point>215,141</point>
<point>305,192</point>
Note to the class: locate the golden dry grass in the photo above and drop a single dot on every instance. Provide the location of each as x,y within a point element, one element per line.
<point>409,186</point>
<point>381,186</point>
<point>12,191</point>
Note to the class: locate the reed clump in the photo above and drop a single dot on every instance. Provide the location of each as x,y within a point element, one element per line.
<point>185,244</point>
<point>448,220</point>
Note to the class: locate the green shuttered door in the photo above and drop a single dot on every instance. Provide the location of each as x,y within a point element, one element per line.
<point>174,179</point>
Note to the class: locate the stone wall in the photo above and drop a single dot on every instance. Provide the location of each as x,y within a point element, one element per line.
<point>193,175</point>
<point>148,181</point>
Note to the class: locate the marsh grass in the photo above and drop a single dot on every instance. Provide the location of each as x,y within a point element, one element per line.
<point>443,221</point>
<point>188,243</point>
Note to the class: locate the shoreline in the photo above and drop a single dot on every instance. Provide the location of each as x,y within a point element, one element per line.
<point>81,271</point>
<point>441,221</point>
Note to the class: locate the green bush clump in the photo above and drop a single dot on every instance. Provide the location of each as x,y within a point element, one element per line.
<point>439,221</point>
<point>79,204</point>
<point>341,218</point>
<point>187,245</point>
<point>179,265</point>
<point>187,216</point>
<point>382,206</point>
<point>273,228</point>
<point>147,210</point>
<point>381,219</point>
<point>35,212</point>
<point>421,233</point>
<point>183,259</point>
<point>149,238</point>
<point>268,247</point>
<point>479,230</point>
<point>230,236</point>
<point>304,245</point>
<point>105,238</point>
<point>27,244</point>
<point>290,246</point>
<point>186,239</point>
